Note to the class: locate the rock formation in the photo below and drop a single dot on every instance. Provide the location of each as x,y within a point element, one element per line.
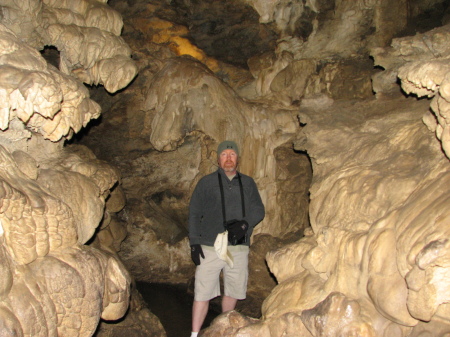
<point>53,198</point>
<point>373,262</point>
<point>351,160</point>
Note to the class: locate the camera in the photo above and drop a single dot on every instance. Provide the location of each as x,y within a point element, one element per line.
<point>237,232</point>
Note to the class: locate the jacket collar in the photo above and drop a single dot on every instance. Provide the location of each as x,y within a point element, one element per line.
<point>222,172</point>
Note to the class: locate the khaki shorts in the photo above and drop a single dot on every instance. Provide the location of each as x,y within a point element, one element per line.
<point>207,274</point>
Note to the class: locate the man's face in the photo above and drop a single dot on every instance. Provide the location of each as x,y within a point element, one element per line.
<point>228,161</point>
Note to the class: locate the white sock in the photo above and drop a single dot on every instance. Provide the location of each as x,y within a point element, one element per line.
<point>194,334</point>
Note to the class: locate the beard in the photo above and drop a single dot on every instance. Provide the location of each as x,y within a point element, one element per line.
<point>229,166</point>
<point>229,169</point>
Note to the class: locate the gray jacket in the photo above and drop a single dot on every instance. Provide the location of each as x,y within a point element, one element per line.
<point>205,208</point>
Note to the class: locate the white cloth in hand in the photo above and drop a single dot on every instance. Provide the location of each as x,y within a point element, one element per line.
<point>221,247</point>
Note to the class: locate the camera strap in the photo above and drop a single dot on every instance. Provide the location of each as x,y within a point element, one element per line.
<point>222,196</point>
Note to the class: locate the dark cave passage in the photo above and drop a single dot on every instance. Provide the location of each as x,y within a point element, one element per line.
<point>172,305</point>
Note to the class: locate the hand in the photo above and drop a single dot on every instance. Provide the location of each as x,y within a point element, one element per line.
<point>237,231</point>
<point>196,252</point>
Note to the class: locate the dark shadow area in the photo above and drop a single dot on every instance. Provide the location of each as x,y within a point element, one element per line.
<point>51,55</point>
<point>426,20</point>
<point>172,304</point>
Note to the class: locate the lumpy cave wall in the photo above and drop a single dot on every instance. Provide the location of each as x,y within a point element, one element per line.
<point>341,110</point>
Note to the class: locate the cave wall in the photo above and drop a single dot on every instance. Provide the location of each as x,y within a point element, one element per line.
<point>55,199</point>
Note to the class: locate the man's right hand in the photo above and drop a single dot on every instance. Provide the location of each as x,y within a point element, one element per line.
<point>196,252</point>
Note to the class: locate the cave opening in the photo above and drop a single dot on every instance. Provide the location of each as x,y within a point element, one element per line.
<point>51,55</point>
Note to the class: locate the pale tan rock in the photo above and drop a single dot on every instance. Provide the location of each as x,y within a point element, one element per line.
<point>22,17</point>
<point>422,65</point>
<point>229,324</point>
<point>388,293</point>
<point>296,294</point>
<point>6,278</point>
<point>86,33</point>
<point>116,200</point>
<point>430,85</point>
<point>422,255</point>
<point>43,222</point>
<point>69,286</point>
<point>111,235</point>
<point>26,164</point>
<point>82,198</point>
<point>99,53</point>
<point>293,254</point>
<point>49,102</point>
<point>289,79</point>
<point>436,327</point>
<point>395,283</point>
<point>51,200</point>
<point>336,316</point>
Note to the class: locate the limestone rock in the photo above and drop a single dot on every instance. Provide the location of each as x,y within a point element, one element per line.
<point>377,252</point>
<point>228,324</point>
<point>69,286</point>
<point>421,63</point>
<point>52,200</point>
<point>50,102</point>
<point>336,316</point>
<point>139,321</point>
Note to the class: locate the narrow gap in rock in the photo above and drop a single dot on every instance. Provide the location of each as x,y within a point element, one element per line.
<point>51,55</point>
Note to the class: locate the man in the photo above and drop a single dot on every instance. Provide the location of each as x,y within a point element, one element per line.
<point>224,199</point>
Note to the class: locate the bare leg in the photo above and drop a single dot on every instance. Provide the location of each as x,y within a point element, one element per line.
<point>199,311</point>
<point>228,303</point>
